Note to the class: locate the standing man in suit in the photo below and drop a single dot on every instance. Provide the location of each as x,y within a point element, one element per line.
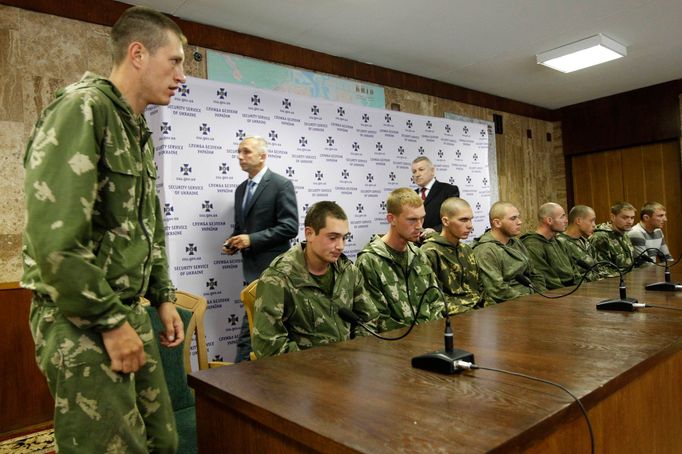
<point>432,192</point>
<point>266,218</point>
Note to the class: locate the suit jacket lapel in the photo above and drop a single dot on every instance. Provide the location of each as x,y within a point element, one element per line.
<point>433,193</point>
<point>259,190</point>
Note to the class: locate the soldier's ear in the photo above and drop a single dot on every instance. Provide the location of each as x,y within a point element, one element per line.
<point>445,221</point>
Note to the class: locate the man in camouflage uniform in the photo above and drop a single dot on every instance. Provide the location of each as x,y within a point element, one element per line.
<point>396,271</point>
<point>453,261</point>
<point>611,243</point>
<point>298,296</point>
<point>94,244</point>
<point>546,253</point>
<point>575,240</point>
<point>502,259</point>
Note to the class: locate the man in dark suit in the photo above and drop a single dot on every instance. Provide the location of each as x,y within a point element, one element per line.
<point>432,192</point>
<point>266,218</point>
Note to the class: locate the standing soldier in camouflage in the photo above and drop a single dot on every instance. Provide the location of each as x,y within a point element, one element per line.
<point>94,244</point>
<point>299,294</point>
<point>611,243</point>
<point>548,255</point>
<point>575,240</point>
<point>396,271</point>
<point>503,259</point>
<point>453,261</point>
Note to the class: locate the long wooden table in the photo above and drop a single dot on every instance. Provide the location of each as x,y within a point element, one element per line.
<point>363,395</point>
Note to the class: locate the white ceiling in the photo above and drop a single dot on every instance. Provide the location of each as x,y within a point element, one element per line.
<point>483,45</point>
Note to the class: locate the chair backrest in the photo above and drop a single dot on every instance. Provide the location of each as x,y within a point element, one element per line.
<point>248,297</point>
<point>195,329</point>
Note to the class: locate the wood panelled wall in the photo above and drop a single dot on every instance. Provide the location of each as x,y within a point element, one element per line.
<point>637,175</point>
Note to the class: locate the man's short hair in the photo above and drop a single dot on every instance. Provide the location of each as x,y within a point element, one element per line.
<point>546,210</point>
<point>261,143</point>
<point>579,211</point>
<point>649,209</point>
<point>316,217</point>
<point>452,205</point>
<point>143,25</point>
<point>424,159</point>
<point>498,210</point>
<point>400,197</point>
<point>618,207</point>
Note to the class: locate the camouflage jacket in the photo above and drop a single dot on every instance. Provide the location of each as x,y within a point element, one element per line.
<point>500,265</point>
<point>551,260</point>
<point>292,312</point>
<point>581,252</point>
<point>614,247</point>
<point>388,285</point>
<point>94,235</point>
<point>456,270</point>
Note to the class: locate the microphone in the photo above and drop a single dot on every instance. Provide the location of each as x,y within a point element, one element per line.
<point>445,361</point>
<point>623,303</point>
<point>667,285</point>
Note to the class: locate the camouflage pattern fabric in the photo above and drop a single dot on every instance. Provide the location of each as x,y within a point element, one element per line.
<point>551,260</point>
<point>292,312</point>
<point>93,244</point>
<point>500,265</point>
<point>388,285</point>
<point>580,251</point>
<point>614,247</point>
<point>457,272</point>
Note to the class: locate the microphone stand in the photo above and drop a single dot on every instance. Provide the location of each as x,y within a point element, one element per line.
<point>443,361</point>
<point>623,303</point>
<point>667,285</point>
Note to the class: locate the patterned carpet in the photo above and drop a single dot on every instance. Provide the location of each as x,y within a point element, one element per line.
<point>33,443</point>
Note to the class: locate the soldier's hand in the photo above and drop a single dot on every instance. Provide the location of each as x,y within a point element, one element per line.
<point>125,349</point>
<point>174,331</point>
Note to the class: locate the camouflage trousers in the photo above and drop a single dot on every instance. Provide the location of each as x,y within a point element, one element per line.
<point>98,410</point>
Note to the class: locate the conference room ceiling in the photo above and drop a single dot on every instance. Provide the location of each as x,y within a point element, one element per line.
<point>483,45</point>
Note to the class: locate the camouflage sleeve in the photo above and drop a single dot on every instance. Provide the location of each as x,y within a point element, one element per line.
<point>436,303</point>
<point>60,186</point>
<point>369,268</point>
<point>600,245</point>
<point>537,265</point>
<point>270,336</point>
<point>490,268</point>
<point>362,304</point>
<point>160,289</point>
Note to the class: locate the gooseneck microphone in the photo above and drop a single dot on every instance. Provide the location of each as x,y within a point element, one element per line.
<point>623,303</point>
<point>444,361</point>
<point>667,285</point>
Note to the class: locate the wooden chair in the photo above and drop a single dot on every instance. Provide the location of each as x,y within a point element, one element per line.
<point>176,364</point>
<point>248,297</point>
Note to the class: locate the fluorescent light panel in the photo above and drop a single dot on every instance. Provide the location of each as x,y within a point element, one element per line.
<point>582,54</point>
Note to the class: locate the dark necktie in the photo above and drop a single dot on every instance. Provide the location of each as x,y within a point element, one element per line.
<point>423,193</point>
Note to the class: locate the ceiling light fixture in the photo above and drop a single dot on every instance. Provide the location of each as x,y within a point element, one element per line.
<point>582,54</point>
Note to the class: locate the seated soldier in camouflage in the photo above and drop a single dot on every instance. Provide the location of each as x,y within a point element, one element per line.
<point>610,241</point>
<point>396,271</point>
<point>548,255</point>
<point>576,240</point>
<point>502,259</point>
<point>453,261</point>
<point>299,294</point>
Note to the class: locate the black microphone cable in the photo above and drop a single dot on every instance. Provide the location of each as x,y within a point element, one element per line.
<point>464,365</point>
<point>351,317</point>
<point>663,307</point>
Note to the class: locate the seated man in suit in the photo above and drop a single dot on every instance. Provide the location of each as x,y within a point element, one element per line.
<point>396,271</point>
<point>453,261</point>
<point>610,241</point>
<point>506,269</point>
<point>433,193</point>
<point>265,219</point>
<point>548,255</point>
<point>299,294</point>
<point>576,240</point>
